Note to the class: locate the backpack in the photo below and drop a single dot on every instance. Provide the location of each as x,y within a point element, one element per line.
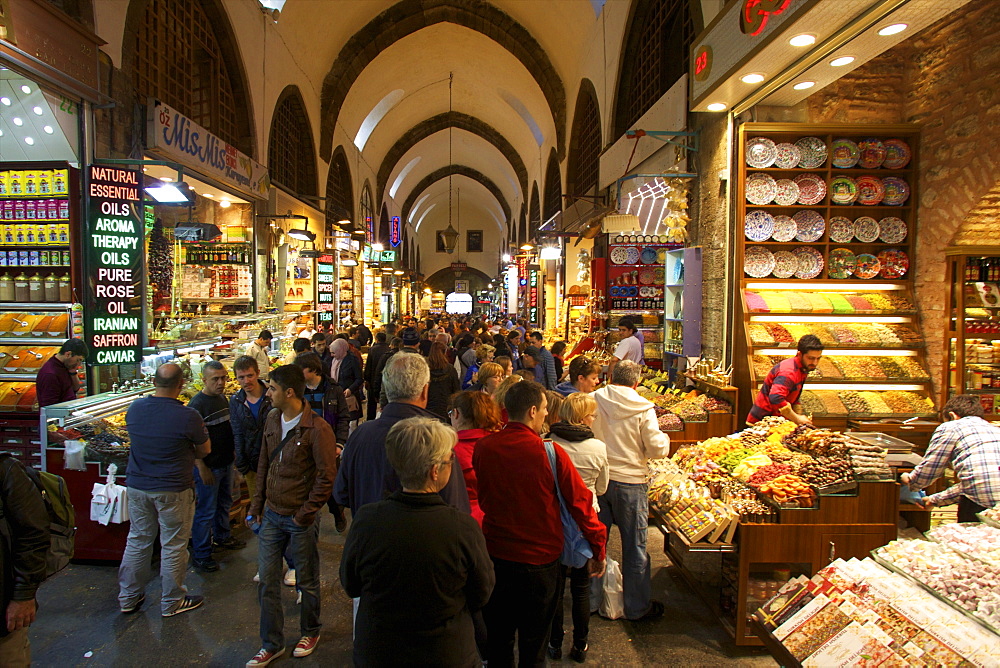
<point>62,517</point>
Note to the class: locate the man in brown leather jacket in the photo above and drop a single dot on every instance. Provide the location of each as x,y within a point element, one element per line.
<point>295,476</point>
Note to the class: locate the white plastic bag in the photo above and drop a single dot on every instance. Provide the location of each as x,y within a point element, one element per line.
<point>73,456</point>
<point>109,502</point>
<point>613,600</point>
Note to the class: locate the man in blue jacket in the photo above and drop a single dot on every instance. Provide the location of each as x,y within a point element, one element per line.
<point>547,375</point>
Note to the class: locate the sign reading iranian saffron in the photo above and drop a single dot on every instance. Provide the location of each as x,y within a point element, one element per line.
<point>395,235</point>
<point>113,243</point>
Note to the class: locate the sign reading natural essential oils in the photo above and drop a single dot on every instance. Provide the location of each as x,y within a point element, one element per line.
<point>113,244</point>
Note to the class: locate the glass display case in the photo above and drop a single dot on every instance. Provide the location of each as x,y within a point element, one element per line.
<point>29,335</point>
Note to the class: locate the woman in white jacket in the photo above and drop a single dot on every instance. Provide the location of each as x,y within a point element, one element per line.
<point>589,455</point>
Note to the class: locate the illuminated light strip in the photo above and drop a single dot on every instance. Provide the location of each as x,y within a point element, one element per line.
<point>862,387</point>
<point>792,319</point>
<point>845,287</point>
<point>844,353</point>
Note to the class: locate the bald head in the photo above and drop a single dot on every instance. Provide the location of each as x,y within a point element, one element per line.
<point>168,380</point>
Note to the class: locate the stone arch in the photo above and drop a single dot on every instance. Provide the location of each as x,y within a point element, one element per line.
<point>382,230</point>
<point>553,202</point>
<point>583,168</point>
<point>522,228</point>
<point>243,136</point>
<point>291,151</point>
<point>339,190</point>
<point>534,212</point>
<point>409,16</point>
<point>459,121</point>
<point>443,280</point>
<point>459,170</point>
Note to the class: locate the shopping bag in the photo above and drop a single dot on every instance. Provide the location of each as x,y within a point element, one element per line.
<point>109,501</point>
<point>613,600</point>
<point>73,456</point>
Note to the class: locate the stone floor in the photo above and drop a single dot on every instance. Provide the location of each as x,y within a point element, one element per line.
<point>79,623</point>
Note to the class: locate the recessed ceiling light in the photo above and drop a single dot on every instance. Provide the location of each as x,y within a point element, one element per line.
<point>166,179</point>
<point>804,39</point>
<point>1,133</point>
<point>843,60</point>
<point>38,111</point>
<point>752,78</point>
<point>5,100</point>
<point>803,85</point>
<point>26,90</point>
<point>224,203</point>
<point>716,106</point>
<point>893,29</point>
<point>17,121</point>
<point>29,141</point>
<point>48,129</point>
<point>207,195</point>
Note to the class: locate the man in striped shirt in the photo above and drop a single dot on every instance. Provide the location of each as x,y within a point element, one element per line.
<point>780,392</point>
<point>971,445</point>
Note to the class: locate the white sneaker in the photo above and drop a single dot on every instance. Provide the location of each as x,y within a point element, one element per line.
<point>256,577</point>
<point>298,599</point>
<point>290,577</point>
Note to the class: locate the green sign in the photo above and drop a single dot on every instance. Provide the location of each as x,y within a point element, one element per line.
<point>113,318</point>
<point>388,256</point>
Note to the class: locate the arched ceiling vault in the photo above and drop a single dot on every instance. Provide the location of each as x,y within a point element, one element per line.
<point>462,171</point>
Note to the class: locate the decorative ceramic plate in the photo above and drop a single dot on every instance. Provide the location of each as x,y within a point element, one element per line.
<point>810,225</point>
<point>872,153</point>
<point>894,262</point>
<point>661,256</point>
<point>787,192</point>
<point>842,263</point>
<point>845,153</point>
<point>648,255</point>
<point>788,156</point>
<point>761,188</point>
<point>867,266</point>
<point>866,229</point>
<point>785,229</point>
<point>812,189</point>
<point>897,154</point>
<point>870,190</point>
<point>841,230</point>
<point>813,152</point>
<point>646,276</point>
<point>892,230</point>
<point>633,291</point>
<point>761,152</point>
<point>618,255</point>
<point>897,191</point>
<point>785,264</point>
<point>630,239</point>
<point>660,274</point>
<point>843,190</point>
<point>758,262</point>
<point>759,225</point>
<point>619,239</point>
<point>615,290</point>
<point>664,239</point>
<point>810,262</point>
<point>632,255</point>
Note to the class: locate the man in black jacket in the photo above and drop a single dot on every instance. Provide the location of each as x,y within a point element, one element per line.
<point>248,411</point>
<point>372,379</point>
<point>364,334</point>
<point>23,546</point>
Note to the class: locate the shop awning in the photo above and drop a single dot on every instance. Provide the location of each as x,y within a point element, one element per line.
<point>576,218</point>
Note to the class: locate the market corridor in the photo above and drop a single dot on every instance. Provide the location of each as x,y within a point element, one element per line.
<point>78,614</point>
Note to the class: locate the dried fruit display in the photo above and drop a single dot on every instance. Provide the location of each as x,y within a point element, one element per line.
<point>811,404</point>
<point>839,303</point>
<point>912,367</point>
<point>755,303</point>
<point>904,334</point>
<point>850,366</point>
<point>799,302</point>
<point>827,369</point>
<point>865,333</point>
<point>759,334</point>
<point>732,459</point>
<point>891,367</point>
<point>827,471</point>
<point>819,303</point>
<point>777,302</point>
<point>762,366</point>
<point>768,473</point>
<point>859,303</point>
<point>778,333</point>
<point>878,301</point>
<point>715,404</point>
<point>817,442</point>
<point>876,404</point>
<point>670,422</point>
<point>853,402</point>
<point>886,335</point>
<point>789,490</point>
<point>797,330</point>
<point>823,334</point>
<point>843,334</point>
<point>870,368</point>
<point>899,302</point>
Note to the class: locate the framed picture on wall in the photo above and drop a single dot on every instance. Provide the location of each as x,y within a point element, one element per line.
<point>474,241</point>
<point>462,286</point>
<point>439,242</point>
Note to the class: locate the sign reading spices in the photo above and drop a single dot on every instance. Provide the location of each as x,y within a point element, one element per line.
<point>324,283</point>
<point>113,243</point>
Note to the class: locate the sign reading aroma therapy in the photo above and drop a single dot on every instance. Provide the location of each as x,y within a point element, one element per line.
<point>113,244</point>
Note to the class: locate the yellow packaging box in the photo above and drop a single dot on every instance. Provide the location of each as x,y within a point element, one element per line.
<point>45,183</point>
<point>60,181</point>
<point>15,184</point>
<point>63,233</point>
<point>30,181</point>
<point>3,184</point>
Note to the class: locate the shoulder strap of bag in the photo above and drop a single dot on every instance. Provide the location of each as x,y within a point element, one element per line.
<point>551,451</point>
<point>286,439</point>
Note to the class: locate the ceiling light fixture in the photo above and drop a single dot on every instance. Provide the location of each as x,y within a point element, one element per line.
<point>224,203</point>
<point>17,121</point>
<point>48,129</point>
<point>303,234</point>
<point>207,195</point>
<point>26,90</point>
<point>348,261</point>
<point>805,39</point>
<point>804,85</point>
<point>378,247</point>
<point>165,179</point>
<point>449,238</point>
<point>893,29</point>
<point>752,78</point>
<point>170,193</point>
<point>5,101</point>
<point>527,247</point>
<point>359,232</point>
<point>717,106</point>
<point>38,110</point>
<point>841,61</point>
<point>29,141</point>
<point>505,257</point>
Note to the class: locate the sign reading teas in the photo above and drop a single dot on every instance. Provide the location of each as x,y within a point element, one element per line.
<point>113,246</point>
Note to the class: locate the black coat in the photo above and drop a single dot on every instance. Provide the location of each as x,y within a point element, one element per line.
<point>364,335</point>
<point>372,377</point>
<point>350,376</point>
<point>444,383</point>
<point>420,568</point>
<point>25,541</point>
<point>248,431</point>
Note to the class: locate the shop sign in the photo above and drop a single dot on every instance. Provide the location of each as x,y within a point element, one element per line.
<point>370,228</point>
<point>113,316</point>
<point>325,279</point>
<point>533,297</point>
<point>395,233</point>
<point>511,279</point>
<point>178,138</point>
<point>384,256</point>
<point>459,266</point>
<point>366,253</point>
<point>755,14</point>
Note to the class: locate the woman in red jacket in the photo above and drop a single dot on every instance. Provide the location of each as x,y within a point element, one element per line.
<point>473,415</point>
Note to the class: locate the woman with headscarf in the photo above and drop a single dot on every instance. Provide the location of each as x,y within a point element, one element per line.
<point>346,371</point>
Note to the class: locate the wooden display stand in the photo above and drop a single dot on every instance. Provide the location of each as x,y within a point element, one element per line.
<point>841,528</point>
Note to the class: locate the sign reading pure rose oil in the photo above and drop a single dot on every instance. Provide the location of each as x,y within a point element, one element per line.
<point>113,242</point>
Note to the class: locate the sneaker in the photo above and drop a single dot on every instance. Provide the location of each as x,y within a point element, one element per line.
<point>290,577</point>
<point>306,646</point>
<point>129,609</point>
<point>231,543</point>
<point>555,653</point>
<point>189,603</point>
<point>655,611</point>
<point>256,576</point>
<point>264,657</point>
<point>579,655</point>
<point>298,599</point>
<point>209,565</point>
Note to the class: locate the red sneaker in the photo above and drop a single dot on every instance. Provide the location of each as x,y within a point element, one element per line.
<point>264,657</point>
<point>305,646</point>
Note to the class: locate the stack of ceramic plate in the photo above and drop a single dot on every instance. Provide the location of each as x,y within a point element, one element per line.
<point>872,153</point>
<point>786,264</point>
<point>843,191</point>
<point>788,156</point>
<point>787,192</point>
<point>760,188</point>
<point>894,263</point>
<point>812,189</point>
<point>866,266</point>
<point>870,190</point>
<point>810,262</point>
<point>896,191</point>
<point>866,229</point>
<point>785,229</point>
<point>897,154</point>
<point>892,230</point>
<point>842,263</point>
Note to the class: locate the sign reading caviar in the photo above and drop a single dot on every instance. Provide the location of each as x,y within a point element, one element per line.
<point>113,245</point>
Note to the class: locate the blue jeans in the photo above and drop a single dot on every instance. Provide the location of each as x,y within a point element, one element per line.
<point>278,532</point>
<point>627,505</point>
<point>211,511</point>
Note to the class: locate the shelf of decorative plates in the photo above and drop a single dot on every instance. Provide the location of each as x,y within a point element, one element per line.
<point>972,347</point>
<point>873,363</point>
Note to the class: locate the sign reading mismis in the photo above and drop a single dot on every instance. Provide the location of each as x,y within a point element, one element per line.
<point>113,242</point>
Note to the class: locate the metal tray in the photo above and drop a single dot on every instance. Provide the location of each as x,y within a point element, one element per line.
<point>890,443</point>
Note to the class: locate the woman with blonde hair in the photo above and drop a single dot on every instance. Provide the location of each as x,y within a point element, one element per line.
<point>573,432</point>
<point>484,353</point>
<point>501,393</point>
<point>488,379</point>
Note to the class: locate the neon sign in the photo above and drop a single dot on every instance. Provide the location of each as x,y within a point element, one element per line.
<point>753,18</point>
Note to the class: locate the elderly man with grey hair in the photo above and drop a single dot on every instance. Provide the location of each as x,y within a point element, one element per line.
<point>365,474</point>
<point>419,567</point>
<point>627,424</point>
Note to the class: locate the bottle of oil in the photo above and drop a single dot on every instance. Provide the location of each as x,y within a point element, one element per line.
<point>6,288</point>
<point>51,287</point>
<point>65,289</point>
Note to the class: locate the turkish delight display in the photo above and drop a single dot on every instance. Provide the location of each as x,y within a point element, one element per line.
<point>978,541</point>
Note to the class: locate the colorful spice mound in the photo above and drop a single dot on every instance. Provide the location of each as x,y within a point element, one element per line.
<point>759,334</point>
<point>762,365</point>
<point>768,473</point>
<point>853,402</point>
<point>911,367</point>
<point>826,369</point>
<point>843,334</point>
<point>811,404</point>
<point>876,404</point>
<point>891,367</point>
<point>779,333</point>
